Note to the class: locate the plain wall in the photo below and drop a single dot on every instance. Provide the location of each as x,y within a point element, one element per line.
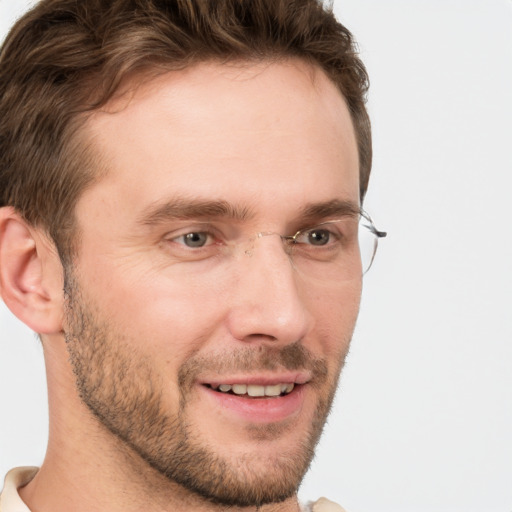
<point>423,419</point>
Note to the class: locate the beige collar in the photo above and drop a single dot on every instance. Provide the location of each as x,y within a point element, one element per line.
<point>325,505</point>
<point>10,500</point>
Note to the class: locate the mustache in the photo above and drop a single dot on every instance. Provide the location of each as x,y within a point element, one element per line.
<point>264,357</point>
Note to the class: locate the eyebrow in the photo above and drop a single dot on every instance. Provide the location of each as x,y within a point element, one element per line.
<point>334,208</point>
<point>184,209</point>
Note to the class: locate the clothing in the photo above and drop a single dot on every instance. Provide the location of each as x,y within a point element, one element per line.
<point>10,500</point>
<point>321,505</point>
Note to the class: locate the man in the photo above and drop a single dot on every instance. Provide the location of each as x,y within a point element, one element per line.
<point>181,186</point>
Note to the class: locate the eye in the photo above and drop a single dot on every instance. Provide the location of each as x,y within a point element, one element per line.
<point>195,239</point>
<point>318,236</point>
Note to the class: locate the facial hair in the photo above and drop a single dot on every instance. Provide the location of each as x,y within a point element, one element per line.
<point>119,386</point>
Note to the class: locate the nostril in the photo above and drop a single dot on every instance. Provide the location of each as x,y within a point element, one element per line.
<point>260,337</point>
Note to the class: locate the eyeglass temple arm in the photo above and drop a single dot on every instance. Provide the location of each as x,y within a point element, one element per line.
<point>373,229</point>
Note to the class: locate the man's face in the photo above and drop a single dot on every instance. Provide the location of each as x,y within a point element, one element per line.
<point>169,332</point>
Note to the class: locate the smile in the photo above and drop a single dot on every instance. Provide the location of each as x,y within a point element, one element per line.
<point>263,397</point>
<point>254,390</point>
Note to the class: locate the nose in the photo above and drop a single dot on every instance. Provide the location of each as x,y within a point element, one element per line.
<point>268,301</point>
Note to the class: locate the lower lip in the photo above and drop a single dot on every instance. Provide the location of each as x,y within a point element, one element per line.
<point>260,410</point>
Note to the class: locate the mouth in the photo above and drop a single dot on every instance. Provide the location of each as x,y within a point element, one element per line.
<point>262,398</point>
<point>255,390</point>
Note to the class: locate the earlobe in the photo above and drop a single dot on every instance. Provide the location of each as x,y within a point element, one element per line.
<point>30,277</point>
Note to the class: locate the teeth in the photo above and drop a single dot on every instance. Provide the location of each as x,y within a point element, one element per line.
<point>273,390</point>
<point>255,390</point>
<point>239,389</point>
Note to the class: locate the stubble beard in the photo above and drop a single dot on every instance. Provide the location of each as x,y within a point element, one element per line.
<point>121,390</point>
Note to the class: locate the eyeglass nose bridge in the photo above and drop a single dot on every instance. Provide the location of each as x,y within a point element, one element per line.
<point>250,251</point>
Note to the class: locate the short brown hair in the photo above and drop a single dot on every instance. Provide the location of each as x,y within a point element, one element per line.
<point>65,58</point>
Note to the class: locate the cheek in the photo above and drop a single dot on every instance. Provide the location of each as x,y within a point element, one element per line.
<point>335,313</point>
<point>164,315</point>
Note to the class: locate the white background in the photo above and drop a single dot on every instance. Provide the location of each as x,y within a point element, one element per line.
<point>423,421</point>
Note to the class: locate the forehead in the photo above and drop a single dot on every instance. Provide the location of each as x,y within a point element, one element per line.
<point>233,131</point>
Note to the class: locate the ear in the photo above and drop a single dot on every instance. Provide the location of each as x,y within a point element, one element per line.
<point>31,274</point>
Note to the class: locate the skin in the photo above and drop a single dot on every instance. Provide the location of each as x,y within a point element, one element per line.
<point>140,330</point>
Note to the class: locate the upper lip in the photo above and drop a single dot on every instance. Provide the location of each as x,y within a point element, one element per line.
<point>267,379</point>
